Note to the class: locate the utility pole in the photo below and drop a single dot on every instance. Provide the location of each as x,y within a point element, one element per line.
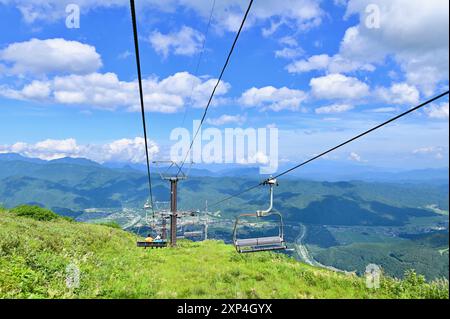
<point>173,210</point>
<point>173,179</point>
<point>164,233</point>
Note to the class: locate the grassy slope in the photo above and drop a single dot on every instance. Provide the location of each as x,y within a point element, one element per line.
<point>34,256</point>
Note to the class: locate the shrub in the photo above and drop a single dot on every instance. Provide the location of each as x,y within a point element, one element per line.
<point>35,212</point>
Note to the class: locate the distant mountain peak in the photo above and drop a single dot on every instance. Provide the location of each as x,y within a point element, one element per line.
<point>75,161</point>
<point>18,157</point>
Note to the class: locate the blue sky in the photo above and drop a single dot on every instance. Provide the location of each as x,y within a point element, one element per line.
<point>314,69</point>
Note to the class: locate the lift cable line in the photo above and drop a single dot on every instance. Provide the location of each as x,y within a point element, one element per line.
<point>336,147</point>
<point>200,57</point>
<point>218,82</point>
<point>141,96</point>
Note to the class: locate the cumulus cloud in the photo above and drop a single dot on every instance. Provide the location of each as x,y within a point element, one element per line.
<point>52,10</point>
<point>275,99</point>
<point>299,14</point>
<point>399,93</point>
<point>414,32</point>
<point>438,111</point>
<point>324,62</point>
<point>333,109</point>
<point>40,57</point>
<point>227,119</point>
<point>186,41</point>
<point>316,62</point>
<point>338,86</point>
<point>123,150</point>
<point>106,91</point>
<point>290,50</point>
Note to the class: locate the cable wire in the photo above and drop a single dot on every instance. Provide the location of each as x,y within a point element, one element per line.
<point>336,147</point>
<point>141,96</point>
<point>200,58</point>
<point>217,84</point>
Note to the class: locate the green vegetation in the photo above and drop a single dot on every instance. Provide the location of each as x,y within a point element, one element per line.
<point>35,212</point>
<point>111,224</point>
<point>395,258</point>
<point>35,254</point>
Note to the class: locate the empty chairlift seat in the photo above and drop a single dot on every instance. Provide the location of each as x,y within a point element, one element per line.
<point>250,245</point>
<point>259,244</point>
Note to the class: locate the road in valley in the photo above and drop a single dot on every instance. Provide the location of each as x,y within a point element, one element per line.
<point>305,256</point>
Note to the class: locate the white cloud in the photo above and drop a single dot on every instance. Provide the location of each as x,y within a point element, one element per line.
<point>40,57</point>
<point>36,90</point>
<point>123,150</point>
<point>399,93</point>
<point>289,53</point>
<point>298,14</point>
<point>106,91</point>
<point>338,86</point>
<point>124,55</point>
<point>256,158</point>
<point>51,10</point>
<point>273,98</point>
<point>414,32</point>
<point>291,49</point>
<point>438,111</point>
<point>383,110</point>
<point>316,62</point>
<point>332,64</point>
<point>435,151</point>
<point>227,119</point>
<point>289,41</point>
<point>186,41</point>
<point>355,157</point>
<point>333,109</point>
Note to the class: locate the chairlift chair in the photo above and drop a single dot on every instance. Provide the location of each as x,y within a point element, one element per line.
<point>268,243</point>
<point>147,205</point>
<point>160,243</point>
<point>189,234</point>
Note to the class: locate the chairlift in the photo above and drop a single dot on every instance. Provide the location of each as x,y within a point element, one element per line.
<point>189,234</point>
<point>156,243</point>
<point>147,205</point>
<point>257,244</point>
<point>153,244</point>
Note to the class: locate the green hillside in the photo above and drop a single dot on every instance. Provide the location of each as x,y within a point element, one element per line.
<point>34,255</point>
